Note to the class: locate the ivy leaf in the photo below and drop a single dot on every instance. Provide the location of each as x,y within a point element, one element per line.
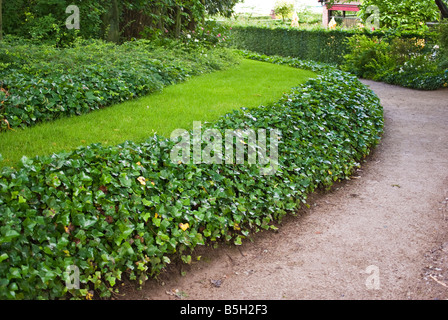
<point>9,236</point>
<point>4,256</point>
<point>125,181</point>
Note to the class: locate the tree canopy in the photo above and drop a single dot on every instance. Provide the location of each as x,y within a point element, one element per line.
<point>408,14</point>
<point>111,19</point>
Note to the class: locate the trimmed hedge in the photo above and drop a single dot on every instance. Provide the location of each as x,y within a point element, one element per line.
<point>41,83</point>
<point>321,45</point>
<point>127,211</point>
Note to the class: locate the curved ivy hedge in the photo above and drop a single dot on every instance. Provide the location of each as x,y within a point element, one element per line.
<point>127,210</point>
<point>43,83</point>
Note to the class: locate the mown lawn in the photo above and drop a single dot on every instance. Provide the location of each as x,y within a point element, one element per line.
<point>203,98</point>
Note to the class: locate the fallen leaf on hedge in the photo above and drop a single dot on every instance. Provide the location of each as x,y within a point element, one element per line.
<point>69,228</point>
<point>184,226</point>
<point>142,181</point>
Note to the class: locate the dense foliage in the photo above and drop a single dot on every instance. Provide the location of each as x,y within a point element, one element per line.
<point>408,62</point>
<point>283,8</point>
<point>41,82</point>
<point>443,40</point>
<point>44,20</point>
<point>321,45</point>
<point>127,211</point>
<point>403,14</point>
<point>407,58</point>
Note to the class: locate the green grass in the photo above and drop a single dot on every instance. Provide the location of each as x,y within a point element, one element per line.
<point>203,98</point>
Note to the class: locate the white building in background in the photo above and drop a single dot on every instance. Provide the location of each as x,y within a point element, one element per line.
<point>264,7</point>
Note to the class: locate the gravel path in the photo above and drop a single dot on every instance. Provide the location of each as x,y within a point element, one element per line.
<point>381,235</point>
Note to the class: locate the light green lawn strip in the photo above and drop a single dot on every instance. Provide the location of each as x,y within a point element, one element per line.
<point>203,98</point>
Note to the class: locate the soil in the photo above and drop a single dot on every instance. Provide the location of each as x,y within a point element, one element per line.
<point>382,235</point>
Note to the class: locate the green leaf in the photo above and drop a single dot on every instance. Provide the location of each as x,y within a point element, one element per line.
<point>4,256</point>
<point>9,235</point>
<point>147,203</point>
<point>14,273</point>
<point>85,178</point>
<point>186,259</point>
<point>29,224</point>
<point>146,216</point>
<point>25,161</point>
<point>238,241</point>
<point>125,181</point>
<point>156,221</point>
<point>166,260</point>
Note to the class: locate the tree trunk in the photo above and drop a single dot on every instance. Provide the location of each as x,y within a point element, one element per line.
<point>191,20</point>
<point>1,21</point>
<point>160,24</point>
<point>113,21</point>
<point>443,8</point>
<point>178,25</point>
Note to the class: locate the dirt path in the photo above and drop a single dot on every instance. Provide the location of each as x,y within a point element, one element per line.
<point>390,220</point>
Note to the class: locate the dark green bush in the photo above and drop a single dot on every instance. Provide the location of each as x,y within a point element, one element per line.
<point>443,44</point>
<point>411,62</point>
<point>321,45</point>
<point>368,57</point>
<point>127,211</point>
<point>41,83</point>
<point>393,56</point>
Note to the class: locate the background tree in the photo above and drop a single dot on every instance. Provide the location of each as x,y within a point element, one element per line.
<point>443,7</point>
<point>1,22</point>
<point>406,14</point>
<point>112,20</point>
<point>284,8</point>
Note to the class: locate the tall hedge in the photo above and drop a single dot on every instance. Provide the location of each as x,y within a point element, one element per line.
<point>321,45</point>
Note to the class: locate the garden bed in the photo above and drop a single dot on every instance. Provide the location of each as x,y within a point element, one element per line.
<point>249,83</point>
<point>41,83</point>
<point>128,210</point>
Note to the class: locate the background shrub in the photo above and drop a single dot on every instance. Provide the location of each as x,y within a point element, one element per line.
<point>444,45</point>
<point>297,43</point>
<point>415,59</point>
<point>410,62</point>
<point>321,45</point>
